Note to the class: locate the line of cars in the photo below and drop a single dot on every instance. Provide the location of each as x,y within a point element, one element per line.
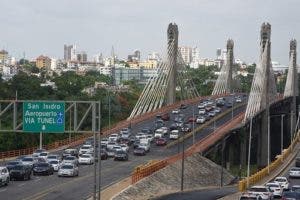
<point>40,162</point>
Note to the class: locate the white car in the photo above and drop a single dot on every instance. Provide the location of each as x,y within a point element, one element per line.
<point>55,164</point>
<point>114,137</point>
<point>124,147</point>
<point>262,191</point>
<point>174,134</point>
<point>200,120</point>
<point>145,146</point>
<point>150,137</point>
<point>111,145</point>
<point>104,141</point>
<point>202,111</point>
<point>70,160</point>
<point>68,170</point>
<point>86,159</point>
<point>201,106</point>
<point>283,182</point>
<point>4,176</point>
<point>140,135</point>
<point>238,100</point>
<point>117,148</point>
<point>158,133</point>
<point>294,172</point>
<point>52,157</point>
<point>164,129</point>
<point>44,155</point>
<point>176,111</point>
<point>275,188</point>
<point>87,148</point>
<point>37,152</point>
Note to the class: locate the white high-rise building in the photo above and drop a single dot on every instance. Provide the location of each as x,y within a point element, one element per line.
<point>70,52</point>
<point>53,64</point>
<point>186,53</point>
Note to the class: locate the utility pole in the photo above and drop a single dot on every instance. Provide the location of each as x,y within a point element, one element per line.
<point>193,125</point>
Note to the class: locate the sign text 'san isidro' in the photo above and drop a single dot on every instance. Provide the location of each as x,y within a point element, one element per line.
<point>44,116</point>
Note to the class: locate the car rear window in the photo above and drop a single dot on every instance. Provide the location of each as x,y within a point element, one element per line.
<point>258,189</point>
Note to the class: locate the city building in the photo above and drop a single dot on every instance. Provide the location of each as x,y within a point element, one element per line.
<point>154,56</point>
<point>186,53</point>
<point>277,67</point>
<point>3,56</point>
<point>43,62</point>
<point>135,57</point>
<point>149,64</point>
<point>142,75</point>
<point>82,57</point>
<point>70,52</point>
<point>98,58</point>
<point>53,65</point>
<point>219,52</point>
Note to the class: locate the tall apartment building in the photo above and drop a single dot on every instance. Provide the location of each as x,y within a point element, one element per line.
<point>43,62</point>
<point>186,53</point>
<point>70,52</point>
<point>82,57</point>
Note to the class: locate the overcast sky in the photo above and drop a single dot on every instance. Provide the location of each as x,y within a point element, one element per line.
<point>44,26</point>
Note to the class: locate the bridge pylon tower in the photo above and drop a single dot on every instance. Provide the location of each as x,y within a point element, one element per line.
<point>224,83</point>
<point>263,93</point>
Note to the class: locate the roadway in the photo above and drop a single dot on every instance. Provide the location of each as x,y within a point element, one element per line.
<point>53,187</point>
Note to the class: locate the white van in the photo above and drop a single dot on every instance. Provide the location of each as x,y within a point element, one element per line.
<point>174,134</point>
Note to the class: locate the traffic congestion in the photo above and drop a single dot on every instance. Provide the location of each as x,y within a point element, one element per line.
<point>285,187</point>
<point>124,146</point>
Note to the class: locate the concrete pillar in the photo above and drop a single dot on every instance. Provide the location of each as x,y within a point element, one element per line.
<point>172,62</point>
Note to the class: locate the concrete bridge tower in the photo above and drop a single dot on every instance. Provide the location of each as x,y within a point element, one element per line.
<point>172,62</point>
<point>224,83</point>
<point>263,93</point>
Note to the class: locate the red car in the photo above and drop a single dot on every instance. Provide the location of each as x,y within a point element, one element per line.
<point>192,119</point>
<point>161,141</point>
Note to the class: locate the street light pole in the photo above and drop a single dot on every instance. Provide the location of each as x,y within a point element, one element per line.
<point>94,136</point>
<point>249,152</point>
<point>281,145</point>
<point>182,165</point>
<point>193,125</point>
<point>99,150</point>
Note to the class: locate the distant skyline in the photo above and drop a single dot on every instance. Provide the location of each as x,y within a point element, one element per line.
<point>43,27</point>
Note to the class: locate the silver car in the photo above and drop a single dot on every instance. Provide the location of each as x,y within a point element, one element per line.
<point>70,160</point>
<point>68,170</point>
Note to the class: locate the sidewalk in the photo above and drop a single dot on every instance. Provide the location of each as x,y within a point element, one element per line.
<point>271,176</point>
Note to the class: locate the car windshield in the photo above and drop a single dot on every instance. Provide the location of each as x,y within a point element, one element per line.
<point>85,156</point>
<point>51,157</point>
<point>39,150</point>
<point>18,167</point>
<point>273,185</point>
<point>120,152</point>
<point>258,190</point>
<point>85,147</point>
<point>42,165</point>
<point>139,149</point>
<point>43,154</point>
<point>295,169</point>
<point>67,167</point>
<point>27,159</point>
<point>53,162</point>
<point>70,158</point>
<point>280,180</point>
<point>13,163</point>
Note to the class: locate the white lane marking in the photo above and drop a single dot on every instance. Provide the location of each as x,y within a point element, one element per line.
<point>21,185</point>
<point>3,190</point>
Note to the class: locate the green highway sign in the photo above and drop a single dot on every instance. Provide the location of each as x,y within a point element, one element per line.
<point>44,117</point>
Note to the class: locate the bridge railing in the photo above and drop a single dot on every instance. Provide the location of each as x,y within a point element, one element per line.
<point>260,175</point>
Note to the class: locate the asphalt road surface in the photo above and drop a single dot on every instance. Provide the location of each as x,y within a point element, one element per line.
<point>54,187</point>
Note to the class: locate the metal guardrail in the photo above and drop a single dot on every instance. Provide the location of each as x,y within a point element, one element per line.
<point>258,176</point>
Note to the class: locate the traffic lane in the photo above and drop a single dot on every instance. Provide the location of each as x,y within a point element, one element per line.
<point>113,173</point>
<point>207,194</point>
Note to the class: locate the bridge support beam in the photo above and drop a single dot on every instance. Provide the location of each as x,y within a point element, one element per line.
<point>172,63</point>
